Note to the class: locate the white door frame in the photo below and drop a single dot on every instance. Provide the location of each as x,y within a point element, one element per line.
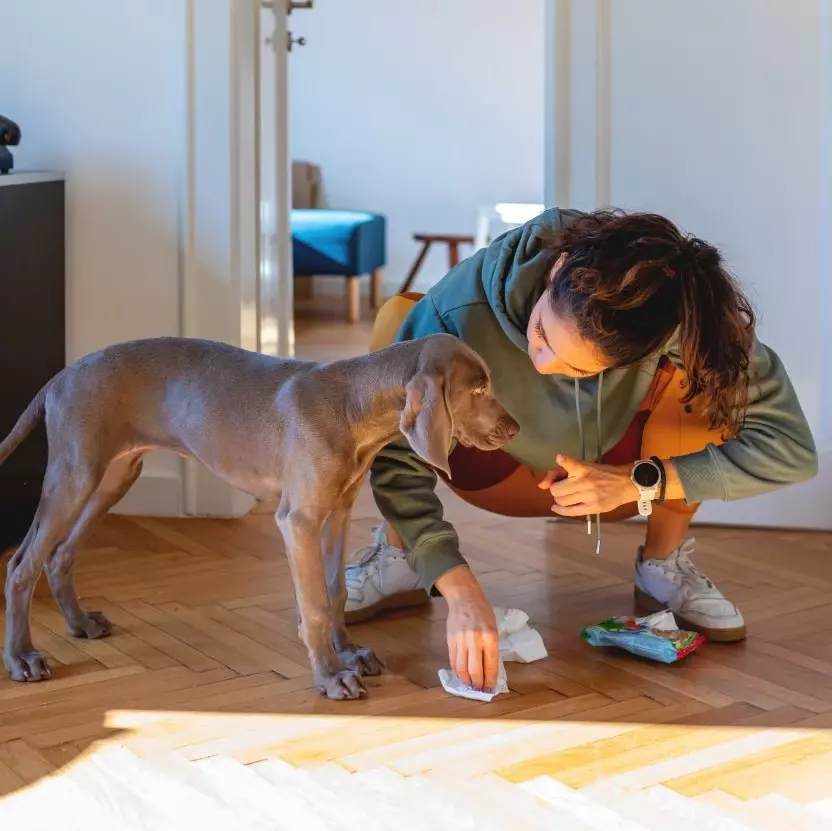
<point>236,252</point>
<point>577,104</point>
<point>276,295</point>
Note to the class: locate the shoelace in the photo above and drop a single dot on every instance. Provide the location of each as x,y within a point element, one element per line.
<point>687,568</point>
<point>369,562</point>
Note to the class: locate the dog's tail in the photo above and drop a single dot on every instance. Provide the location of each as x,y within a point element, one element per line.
<point>25,424</point>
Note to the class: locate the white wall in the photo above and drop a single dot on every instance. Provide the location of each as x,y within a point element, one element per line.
<point>98,91</point>
<point>148,109</point>
<point>718,115</point>
<point>421,111</point>
<point>103,102</point>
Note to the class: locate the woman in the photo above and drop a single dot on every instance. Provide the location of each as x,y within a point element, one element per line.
<point>627,353</point>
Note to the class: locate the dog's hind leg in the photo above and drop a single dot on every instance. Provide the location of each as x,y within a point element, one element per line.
<point>358,658</point>
<point>66,491</point>
<point>60,567</point>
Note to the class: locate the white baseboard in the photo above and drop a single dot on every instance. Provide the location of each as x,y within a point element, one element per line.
<point>212,497</point>
<point>807,506</point>
<point>161,494</point>
<point>155,494</point>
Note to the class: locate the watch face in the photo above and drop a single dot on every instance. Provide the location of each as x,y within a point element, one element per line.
<point>646,475</point>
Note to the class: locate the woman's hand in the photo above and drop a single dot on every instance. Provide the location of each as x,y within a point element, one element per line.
<point>588,488</point>
<point>473,642</point>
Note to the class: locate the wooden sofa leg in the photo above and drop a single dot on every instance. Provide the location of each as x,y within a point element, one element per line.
<point>353,298</point>
<point>304,287</point>
<point>376,289</point>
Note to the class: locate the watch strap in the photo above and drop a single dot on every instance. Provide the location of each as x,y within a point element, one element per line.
<point>662,479</point>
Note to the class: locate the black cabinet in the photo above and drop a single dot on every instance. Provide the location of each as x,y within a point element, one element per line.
<point>32,329</point>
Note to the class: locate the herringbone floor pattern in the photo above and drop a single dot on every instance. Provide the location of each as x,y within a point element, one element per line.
<point>204,659</point>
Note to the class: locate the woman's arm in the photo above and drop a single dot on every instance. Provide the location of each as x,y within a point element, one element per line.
<point>773,449</point>
<point>404,485</point>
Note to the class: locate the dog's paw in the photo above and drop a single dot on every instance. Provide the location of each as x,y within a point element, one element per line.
<point>27,666</point>
<point>93,625</point>
<point>362,660</point>
<point>341,686</point>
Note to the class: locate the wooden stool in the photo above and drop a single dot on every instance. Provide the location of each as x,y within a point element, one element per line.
<point>453,241</point>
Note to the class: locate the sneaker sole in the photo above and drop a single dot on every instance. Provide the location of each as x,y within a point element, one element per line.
<point>647,605</point>
<point>391,603</point>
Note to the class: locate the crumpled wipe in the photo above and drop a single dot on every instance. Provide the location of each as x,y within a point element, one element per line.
<point>518,642</point>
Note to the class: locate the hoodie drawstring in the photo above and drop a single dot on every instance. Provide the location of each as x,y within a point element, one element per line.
<point>598,453</point>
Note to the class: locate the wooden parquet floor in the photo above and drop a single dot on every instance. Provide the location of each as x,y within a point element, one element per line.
<point>204,659</point>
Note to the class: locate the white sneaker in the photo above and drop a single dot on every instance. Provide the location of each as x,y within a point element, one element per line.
<point>381,579</point>
<point>697,604</point>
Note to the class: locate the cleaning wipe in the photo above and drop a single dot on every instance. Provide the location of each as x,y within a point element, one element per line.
<point>523,646</point>
<point>450,681</point>
<point>656,636</point>
<point>518,642</point>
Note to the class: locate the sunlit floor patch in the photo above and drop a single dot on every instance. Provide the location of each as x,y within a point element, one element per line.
<point>164,770</point>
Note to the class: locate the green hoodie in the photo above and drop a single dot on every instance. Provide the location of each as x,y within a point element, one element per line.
<point>487,301</point>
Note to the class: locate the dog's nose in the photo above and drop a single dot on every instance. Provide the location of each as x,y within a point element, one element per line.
<point>510,427</point>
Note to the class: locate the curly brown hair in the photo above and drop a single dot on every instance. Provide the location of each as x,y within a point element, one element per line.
<point>630,280</point>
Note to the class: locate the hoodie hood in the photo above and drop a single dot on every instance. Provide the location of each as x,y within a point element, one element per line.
<point>514,271</point>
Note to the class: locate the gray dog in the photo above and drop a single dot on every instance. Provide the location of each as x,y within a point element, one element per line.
<point>298,433</point>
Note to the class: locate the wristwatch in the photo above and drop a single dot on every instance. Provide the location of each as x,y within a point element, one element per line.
<point>646,475</point>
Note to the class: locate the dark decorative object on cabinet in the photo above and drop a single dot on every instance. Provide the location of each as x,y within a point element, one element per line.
<point>9,137</point>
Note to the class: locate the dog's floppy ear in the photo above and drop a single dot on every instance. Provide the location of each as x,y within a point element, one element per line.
<point>426,420</point>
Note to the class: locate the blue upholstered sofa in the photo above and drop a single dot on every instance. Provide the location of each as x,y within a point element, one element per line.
<point>347,244</point>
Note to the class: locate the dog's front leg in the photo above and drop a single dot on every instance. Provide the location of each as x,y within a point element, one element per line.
<point>301,529</point>
<point>359,658</point>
